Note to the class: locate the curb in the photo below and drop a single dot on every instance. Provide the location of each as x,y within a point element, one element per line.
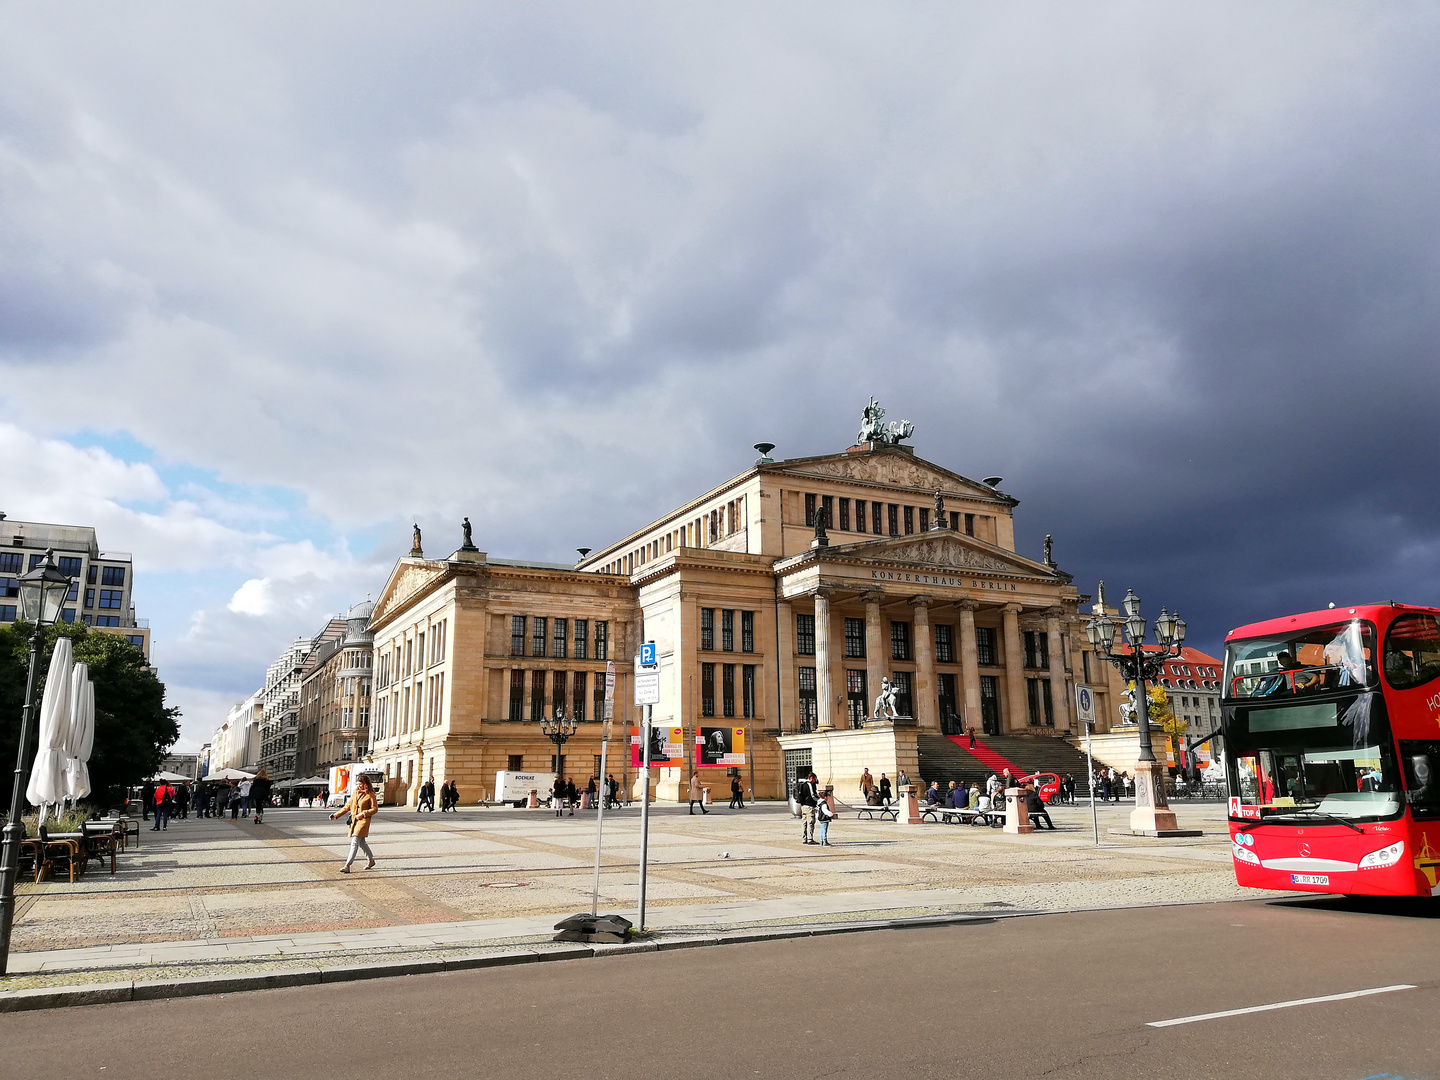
<point>62,997</point>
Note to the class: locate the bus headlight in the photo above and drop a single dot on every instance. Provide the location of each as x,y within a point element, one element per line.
<point>1245,855</point>
<point>1386,856</point>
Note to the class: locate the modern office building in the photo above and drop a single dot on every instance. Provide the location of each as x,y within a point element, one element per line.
<point>236,742</point>
<point>280,718</point>
<point>102,595</point>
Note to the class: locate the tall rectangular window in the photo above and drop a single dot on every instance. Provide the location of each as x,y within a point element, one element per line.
<point>561,691</point>
<point>1032,699</point>
<point>12,562</point>
<point>537,695</point>
<point>582,635</point>
<point>747,691</point>
<point>517,693</point>
<point>561,638</point>
<point>877,516</point>
<point>904,695</point>
<point>577,709</point>
<point>602,640</point>
<point>945,686</point>
<point>955,520</point>
<point>844,515</point>
<point>900,641</point>
<point>909,520</point>
<point>990,704</point>
<point>827,507</point>
<point>747,631</point>
<point>727,689</point>
<point>727,630</point>
<point>855,697</point>
<point>805,635</point>
<point>1085,666</point>
<point>944,643</point>
<point>894,515</point>
<point>515,762</point>
<point>707,628</point>
<point>707,689</point>
<point>860,515</point>
<point>810,509</point>
<point>1037,649</point>
<point>809,714</point>
<point>924,520</point>
<point>537,639</point>
<point>985,646</point>
<point>969,524</point>
<point>854,637</point>
<point>600,695</point>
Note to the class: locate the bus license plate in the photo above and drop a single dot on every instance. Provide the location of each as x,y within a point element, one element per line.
<point>1310,879</point>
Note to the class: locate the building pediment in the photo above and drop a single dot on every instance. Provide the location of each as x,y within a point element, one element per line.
<point>410,576</point>
<point>894,468</point>
<point>937,550</point>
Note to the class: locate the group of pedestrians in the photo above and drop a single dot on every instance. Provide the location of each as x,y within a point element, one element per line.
<point>169,801</point>
<point>425,798</point>
<point>1112,786</point>
<point>817,811</point>
<point>565,796</point>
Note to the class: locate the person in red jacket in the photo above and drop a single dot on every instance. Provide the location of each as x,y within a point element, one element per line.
<point>164,800</point>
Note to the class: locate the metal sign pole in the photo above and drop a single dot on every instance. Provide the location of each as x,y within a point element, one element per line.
<point>1090,767</point>
<point>644,810</point>
<point>602,784</point>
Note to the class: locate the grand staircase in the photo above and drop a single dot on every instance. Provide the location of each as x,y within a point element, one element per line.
<point>945,758</point>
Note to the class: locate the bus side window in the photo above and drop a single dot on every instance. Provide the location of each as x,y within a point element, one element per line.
<point>1412,650</point>
<point>1421,761</point>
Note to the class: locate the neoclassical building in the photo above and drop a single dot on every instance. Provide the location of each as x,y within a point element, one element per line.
<point>778,601</point>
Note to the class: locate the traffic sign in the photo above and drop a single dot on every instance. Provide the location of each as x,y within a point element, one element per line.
<point>610,680</point>
<point>648,656</point>
<point>647,688</point>
<point>1084,703</point>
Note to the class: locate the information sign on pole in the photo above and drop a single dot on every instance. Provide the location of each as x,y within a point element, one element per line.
<point>1085,710</point>
<point>648,657</point>
<point>1085,703</point>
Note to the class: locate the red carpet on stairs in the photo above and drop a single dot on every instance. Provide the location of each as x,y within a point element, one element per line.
<point>989,757</point>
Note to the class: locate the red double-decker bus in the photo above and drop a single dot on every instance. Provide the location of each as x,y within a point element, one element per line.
<point>1331,727</point>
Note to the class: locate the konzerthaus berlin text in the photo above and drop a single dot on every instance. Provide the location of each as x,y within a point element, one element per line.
<point>762,620</point>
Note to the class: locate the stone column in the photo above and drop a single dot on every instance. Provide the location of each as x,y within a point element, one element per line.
<point>1017,713</point>
<point>969,665</point>
<point>824,691</point>
<point>875,654</point>
<point>785,667</point>
<point>1059,692</point>
<point>927,711</point>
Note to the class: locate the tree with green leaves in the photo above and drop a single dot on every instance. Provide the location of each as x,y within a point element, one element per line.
<point>133,726</point>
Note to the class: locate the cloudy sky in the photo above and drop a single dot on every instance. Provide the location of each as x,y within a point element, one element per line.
<point>276,280</point>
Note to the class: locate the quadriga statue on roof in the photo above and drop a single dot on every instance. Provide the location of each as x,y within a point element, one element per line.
<point>872,428</point>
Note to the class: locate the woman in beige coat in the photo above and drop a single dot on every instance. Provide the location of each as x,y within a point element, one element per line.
<point>697,794</point>
<point>361,808</point>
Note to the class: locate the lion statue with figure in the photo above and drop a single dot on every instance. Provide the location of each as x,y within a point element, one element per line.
<point>873,429</point>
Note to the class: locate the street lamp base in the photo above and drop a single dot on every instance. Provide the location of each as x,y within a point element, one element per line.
<point>1152,815</point>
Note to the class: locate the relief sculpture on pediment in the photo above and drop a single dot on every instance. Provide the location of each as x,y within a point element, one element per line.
<point>886,470</point>
<point>950,553</point>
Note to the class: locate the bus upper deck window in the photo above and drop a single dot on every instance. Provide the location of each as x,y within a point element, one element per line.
<point>1412,650</point>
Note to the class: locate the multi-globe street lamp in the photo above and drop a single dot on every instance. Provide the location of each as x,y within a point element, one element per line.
<point>558,730</point>
<point>1152,815</point>
<point>42,595</point>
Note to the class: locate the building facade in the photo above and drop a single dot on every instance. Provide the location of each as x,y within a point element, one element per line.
<point>778,601</point>
<point>235,744</point>
<point>335,697</point>
<point>102,590</point>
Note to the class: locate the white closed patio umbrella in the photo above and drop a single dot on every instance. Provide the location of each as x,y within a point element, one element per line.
<point>81,738</point>
<point>47,775</point>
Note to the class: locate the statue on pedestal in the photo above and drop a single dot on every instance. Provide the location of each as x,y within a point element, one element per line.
<point>469,544</point>
<point>885,702</point>
<point>873,430</point>
<point>1049,546</point>
<point>416,552</point>
<point>939,510</point>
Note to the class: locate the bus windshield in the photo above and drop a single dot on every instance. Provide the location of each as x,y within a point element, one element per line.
<point>1310,661</point>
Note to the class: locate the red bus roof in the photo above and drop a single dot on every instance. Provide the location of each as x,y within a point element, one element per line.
<point>1379,614</point>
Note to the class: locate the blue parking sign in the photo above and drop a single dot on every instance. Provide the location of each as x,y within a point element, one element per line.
<point>647,655</point>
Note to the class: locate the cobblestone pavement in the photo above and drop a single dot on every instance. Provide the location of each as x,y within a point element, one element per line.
<point>217,889</point>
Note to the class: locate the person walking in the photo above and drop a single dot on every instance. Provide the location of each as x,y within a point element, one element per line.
<point>164,803</point>
<point>807,795</point>
<point>260,795</point>
<point>972,738</point>
<point>361,808</point>
<point>884,789</point>
<point>558,797</point>
<point>613,787</point>
<point>147,800</point>
<point>454,796</point>
<point>697,794</point>
<point>182,802</point>
<point>737,794</point>
<point>591,790</point>
<point>245,796</point>
<point>572,795</point>
<point>867,785</point>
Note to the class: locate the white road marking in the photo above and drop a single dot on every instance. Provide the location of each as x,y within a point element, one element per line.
<point>1280,1005</point>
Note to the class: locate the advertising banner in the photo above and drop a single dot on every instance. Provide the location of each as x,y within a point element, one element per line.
<point>719,747</point>
<point>667,748</point>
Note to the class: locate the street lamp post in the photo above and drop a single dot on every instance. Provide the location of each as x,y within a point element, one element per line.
<point>558,730</point>
<point>1152,815</point>
<point>42,594</point>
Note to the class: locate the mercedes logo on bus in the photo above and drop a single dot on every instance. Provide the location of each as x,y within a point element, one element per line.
<point>1304,851</point>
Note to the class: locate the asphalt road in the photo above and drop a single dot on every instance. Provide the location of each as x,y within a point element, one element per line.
<point>1059,996</point>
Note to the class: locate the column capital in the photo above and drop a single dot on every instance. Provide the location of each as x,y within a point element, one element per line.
<point>920,601</point>
<point>823,592</point>
<point>968,604</point>
<point>1013,609</point>
<point>1056,612</point>
<point>874,596</point>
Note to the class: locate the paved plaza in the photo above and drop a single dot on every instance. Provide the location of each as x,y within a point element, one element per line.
<point>214,891</point>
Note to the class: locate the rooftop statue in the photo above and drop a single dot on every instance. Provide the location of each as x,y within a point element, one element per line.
<point>873,430</point>
<point>416,552</point>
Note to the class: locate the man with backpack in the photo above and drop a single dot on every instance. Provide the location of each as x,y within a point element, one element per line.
<point>807,797</point>
<point>164,800</point>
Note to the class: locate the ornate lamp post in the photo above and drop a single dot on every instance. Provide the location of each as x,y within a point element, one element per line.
<point>558,730</point>
<point>1152,815</point>
<point>42,594</point>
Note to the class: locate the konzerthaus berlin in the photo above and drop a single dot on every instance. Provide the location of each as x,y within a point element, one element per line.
<point>762,620</point>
